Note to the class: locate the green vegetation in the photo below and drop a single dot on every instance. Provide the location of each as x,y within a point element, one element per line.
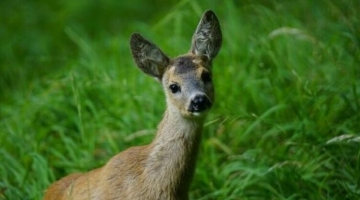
<point>286,124</point>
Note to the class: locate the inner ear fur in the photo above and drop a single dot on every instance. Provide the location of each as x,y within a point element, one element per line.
<point>207,38</point>
<point>147,56</point>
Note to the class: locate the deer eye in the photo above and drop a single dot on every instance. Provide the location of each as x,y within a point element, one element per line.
<point>174,88</point>
<point>206,77</point>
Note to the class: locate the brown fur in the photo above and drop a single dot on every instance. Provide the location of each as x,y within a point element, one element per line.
<point>164,168</point>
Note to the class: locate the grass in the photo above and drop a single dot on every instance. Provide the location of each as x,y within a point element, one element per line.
<point>286,120</point>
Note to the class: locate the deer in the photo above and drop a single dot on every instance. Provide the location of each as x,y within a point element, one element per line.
<point>164,168</point>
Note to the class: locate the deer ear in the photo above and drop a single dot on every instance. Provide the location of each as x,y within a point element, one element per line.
<point>147,56</point>
<point>207,38</point>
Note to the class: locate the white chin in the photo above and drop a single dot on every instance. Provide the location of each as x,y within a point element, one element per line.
<point>196,114</point>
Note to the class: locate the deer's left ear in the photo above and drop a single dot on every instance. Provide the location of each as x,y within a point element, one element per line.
<point>207,38</point>
<point>148,57</point>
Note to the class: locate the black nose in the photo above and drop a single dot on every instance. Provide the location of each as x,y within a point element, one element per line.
<point>199,103</point>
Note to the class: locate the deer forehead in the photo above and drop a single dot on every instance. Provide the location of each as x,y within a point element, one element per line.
<point>185,66</point>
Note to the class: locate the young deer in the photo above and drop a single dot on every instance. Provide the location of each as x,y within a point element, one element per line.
<point>164,168</point>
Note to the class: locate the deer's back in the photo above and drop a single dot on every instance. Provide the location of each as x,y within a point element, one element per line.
<point>118,179</point>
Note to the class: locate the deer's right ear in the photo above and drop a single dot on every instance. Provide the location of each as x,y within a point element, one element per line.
<point>148,57</point>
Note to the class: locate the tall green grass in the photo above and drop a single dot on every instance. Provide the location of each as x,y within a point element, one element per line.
<point>286,123</point>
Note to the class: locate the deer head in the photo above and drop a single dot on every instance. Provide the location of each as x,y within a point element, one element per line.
<point>186,79</point>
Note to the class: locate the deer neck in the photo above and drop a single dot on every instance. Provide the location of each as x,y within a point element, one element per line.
<point>172,158</point>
